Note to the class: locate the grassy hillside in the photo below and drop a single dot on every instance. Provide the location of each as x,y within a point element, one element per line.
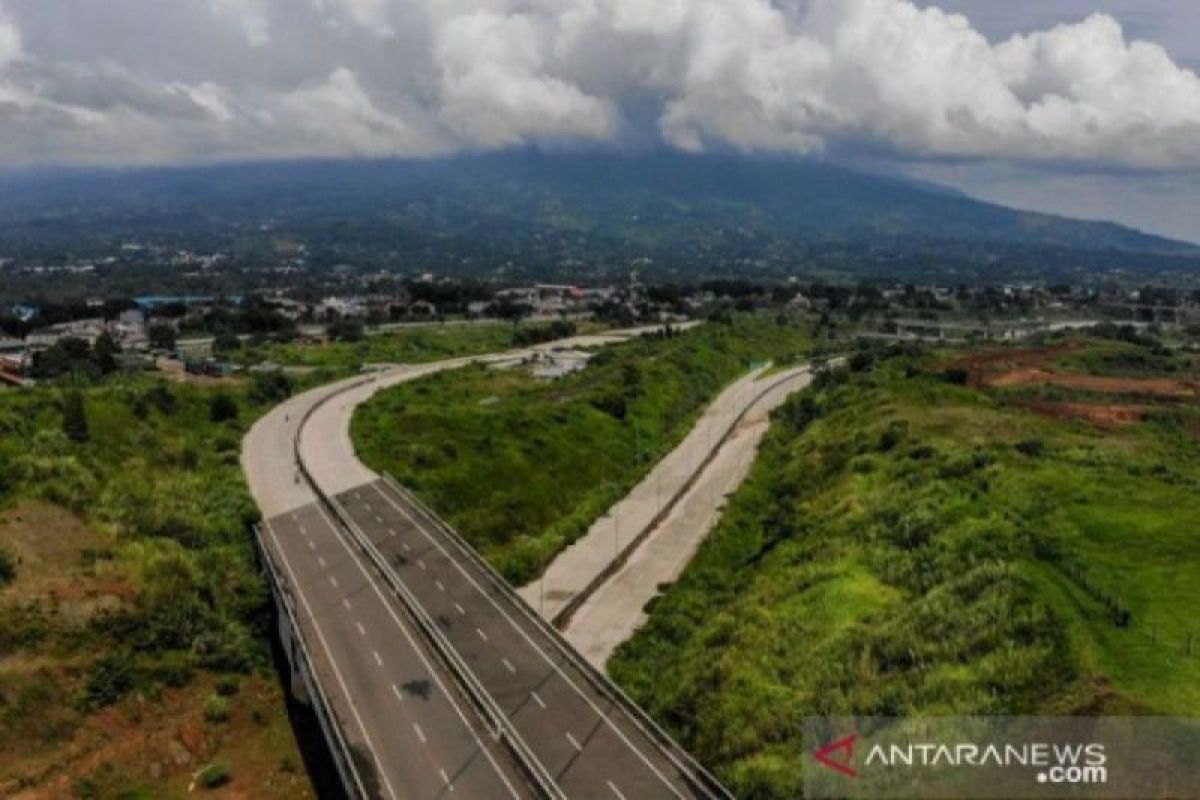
<point>907,544</point>
<point>522,467</point>
<point>134,591</point>
<point>411,345</point>
<point>134,626</point>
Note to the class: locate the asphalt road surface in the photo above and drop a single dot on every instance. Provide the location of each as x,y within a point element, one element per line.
<point>413,735</point>
<point>590,745</point>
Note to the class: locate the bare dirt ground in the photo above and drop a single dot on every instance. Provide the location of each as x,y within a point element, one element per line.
<point>1109,417</point>
<point>51,748</point>
<point>1148,387</point>
<point>1015,368</point>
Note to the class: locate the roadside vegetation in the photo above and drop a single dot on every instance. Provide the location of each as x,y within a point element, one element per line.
<point>351,348</point>
<point>131,587</point>
<point>919,536</point>
<point>524,466</point>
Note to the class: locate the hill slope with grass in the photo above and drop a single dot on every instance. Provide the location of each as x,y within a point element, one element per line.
<point>910,544</point>
<point>523,466</point>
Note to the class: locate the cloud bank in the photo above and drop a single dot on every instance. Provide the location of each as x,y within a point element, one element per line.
<point>133,81</point>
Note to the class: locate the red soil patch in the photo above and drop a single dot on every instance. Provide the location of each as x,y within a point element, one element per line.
<point>1109,417</point>
<point>1150,387</point>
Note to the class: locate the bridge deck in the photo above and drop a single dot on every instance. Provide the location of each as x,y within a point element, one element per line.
<point>412,734</point>
<point>590,745</point>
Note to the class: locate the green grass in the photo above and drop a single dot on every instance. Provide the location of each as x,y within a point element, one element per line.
<point>410,345</point>
<point>522,467</point>
<point>895,551</point>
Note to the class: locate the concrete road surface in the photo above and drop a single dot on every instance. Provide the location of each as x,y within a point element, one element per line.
<point>614,612</point>
<point>575,571</point>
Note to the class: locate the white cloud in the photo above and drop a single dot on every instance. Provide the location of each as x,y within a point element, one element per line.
<point>83,82</point>
<point>10,39</point>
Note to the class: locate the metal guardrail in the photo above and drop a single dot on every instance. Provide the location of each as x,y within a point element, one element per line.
<point>694,773</point>
<point>502,727</point>
<point>563,617</point>
<point>343,755</point>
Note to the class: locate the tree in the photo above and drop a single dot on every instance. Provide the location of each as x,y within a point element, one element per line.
<point>346,330</point>
<point>75,421</point>
<point>162,336</point>
<point>222,408</point>
<point>105,353</point>
<point>271,387</point>
<point>226,342</point>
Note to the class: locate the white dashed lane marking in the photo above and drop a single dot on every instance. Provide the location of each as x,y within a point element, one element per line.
<point>378,660</point>
<point>462,611</point>
<point>361,630</point>
<point>537,699</point>
<point>396,692</point>
<point>616,791</point>
<point>482,635</point>
<point>574,743</point>
<point>509,666</point>
<point>420,733</point>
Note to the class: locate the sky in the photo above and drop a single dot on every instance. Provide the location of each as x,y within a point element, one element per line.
<point>1082,108</point>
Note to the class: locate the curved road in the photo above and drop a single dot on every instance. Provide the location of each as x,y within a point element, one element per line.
<point>384,590</point>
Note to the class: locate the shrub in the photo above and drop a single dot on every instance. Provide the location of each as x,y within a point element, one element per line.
<point>75,421</point>
<point>956,376</point>
<point>222,408</point>
<point>8,566</point>
<point>111,679</point>
<point>271,387</point>
<point>214,776</point>
<point>1034,448</point>
<point>227,686</point>
<point>216,709</point>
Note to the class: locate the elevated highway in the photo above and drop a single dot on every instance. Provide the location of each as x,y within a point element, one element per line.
<point>436,679</point>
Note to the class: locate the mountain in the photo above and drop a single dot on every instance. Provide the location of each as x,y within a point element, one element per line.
<point>539,211</point>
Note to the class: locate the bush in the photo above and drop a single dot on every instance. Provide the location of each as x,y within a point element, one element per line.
<point>8,566</point>
<point>227,686</point>
<point>75,421</point>
<point>216,709</point>
<point>222,408</point>
<point>214,776</point>
<point>111,679</point>
<point>271,387</point>
<point>1034,448</point>
<point>956,376</point>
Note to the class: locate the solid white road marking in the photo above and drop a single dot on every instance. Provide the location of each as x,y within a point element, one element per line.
<point>525,635</point>
<point>424,660</point>
<point>420,733</point>
<point>537,699</point>
<point>509,666</point>
<point>574,743</point>
<point>336,671</point>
